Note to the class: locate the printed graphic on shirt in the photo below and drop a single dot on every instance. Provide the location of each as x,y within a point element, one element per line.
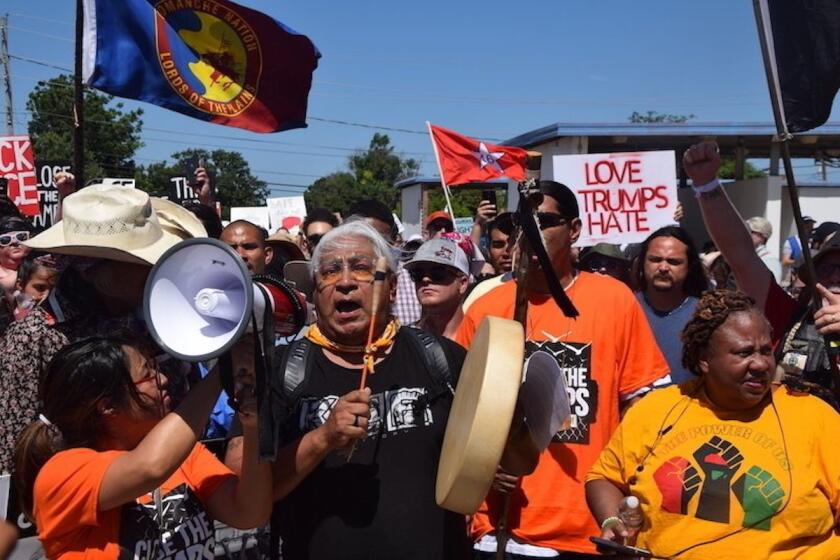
<point>718,474</point>
<point>184,530</point>
<point>575,361</point>
<point>390,412</point>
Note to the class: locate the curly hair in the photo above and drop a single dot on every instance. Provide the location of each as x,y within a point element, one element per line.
<point>714,307</point>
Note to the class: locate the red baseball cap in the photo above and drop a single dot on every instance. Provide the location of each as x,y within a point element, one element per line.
<point>438,215</point>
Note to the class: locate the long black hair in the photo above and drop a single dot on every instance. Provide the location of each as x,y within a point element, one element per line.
<point>79,377</point>
<point>695,281</point>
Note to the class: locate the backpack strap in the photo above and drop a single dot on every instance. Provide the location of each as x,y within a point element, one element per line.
<point>433,356</point>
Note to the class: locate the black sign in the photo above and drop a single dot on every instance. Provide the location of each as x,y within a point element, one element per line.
<point>47,191</point>
<point>180,191</point>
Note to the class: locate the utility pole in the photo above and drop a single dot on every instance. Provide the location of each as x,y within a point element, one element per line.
<point>7,73</point>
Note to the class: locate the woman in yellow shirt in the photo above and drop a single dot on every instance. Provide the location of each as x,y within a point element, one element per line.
<point>730,465</point>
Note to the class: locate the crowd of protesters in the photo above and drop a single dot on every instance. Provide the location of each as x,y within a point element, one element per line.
<point>701,382</point>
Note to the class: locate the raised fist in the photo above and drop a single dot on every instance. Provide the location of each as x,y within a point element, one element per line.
<point>702,162</point>
<point>760,495</point>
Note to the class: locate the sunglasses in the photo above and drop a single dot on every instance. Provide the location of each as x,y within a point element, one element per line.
<point>436,275</point>
<point>13,237</point>
<point>314,239</point>
<point>545,220</point>
<point>362,269</point>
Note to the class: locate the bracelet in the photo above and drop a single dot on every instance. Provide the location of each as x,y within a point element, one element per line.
<point>708,187</point>
<point>610,521</point>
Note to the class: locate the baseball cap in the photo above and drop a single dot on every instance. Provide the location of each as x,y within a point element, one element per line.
<point>603,249</point>
<point>809,219</point>
<point>831,244</point>
<point>441,251</point>
<point>439,215</point>
<point>824,230</point>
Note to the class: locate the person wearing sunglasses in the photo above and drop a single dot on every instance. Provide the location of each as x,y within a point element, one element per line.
<point>315,226</point>
<point>605,258</point>
<point>440,272</point>
<point>609,357</point>
<point>14,232</point>
<point>354,468</point>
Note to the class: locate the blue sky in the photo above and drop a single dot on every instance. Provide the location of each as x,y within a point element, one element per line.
<point>491,70</point>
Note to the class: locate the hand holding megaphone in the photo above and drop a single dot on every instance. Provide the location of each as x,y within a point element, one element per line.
<point>200,300</point>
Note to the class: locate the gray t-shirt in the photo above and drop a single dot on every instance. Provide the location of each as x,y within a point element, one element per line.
<point>667,329</point>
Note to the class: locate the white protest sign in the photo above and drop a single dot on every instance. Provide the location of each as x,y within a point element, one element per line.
<point>119,182</point>
<point>623,197</point>
<point>286,212</point>
<point>464,225</point>
<point>254,214</point>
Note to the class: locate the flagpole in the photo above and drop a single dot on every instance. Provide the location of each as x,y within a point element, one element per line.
<point>79,102</point>
<point>765,35</point>
<point>440,170</point>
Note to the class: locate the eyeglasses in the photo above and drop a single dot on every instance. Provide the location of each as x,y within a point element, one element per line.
<point>13,237</point>
<point>361,268</point>
<point>152,372</point>
<point>314,239</point>
<point>545,220</point>
<point>595,264</point>
<point>435,274</point>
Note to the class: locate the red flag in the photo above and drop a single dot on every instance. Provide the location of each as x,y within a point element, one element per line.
<point>464,160</point>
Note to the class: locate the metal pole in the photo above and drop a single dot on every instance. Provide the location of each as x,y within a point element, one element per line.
<point>7,73</point>
<point>79,102</point>
<point>765,35</point>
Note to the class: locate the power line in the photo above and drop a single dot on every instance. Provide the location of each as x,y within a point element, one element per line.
<point>39,18</point>
<point>40,34</point>
<point>39,62</point>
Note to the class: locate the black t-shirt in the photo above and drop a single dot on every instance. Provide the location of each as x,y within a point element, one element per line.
<point>382,503</point>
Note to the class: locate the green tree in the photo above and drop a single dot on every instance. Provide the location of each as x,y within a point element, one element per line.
<point>657,117</point>
<point>112,135</point>
<point>727,170</point>
<point>371,174</point>
<point>232,179</point>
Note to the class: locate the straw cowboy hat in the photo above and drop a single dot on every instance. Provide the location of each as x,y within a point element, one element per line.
<point>117,223</point>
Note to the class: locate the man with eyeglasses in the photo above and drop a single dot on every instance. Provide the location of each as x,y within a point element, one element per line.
<point>798,331</point>
<point>355,469</point>
<point>609,357</point>
<point>440,272</point>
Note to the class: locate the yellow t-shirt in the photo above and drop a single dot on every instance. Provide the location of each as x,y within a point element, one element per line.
<point>709,475</point>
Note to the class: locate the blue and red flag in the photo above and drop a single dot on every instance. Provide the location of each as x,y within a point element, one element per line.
<point>210,59</point>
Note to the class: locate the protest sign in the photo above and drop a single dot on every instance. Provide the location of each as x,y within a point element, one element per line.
<point>180,190</point>
<point>17,165</point>
<point>254,214</point>
<point>287,212</point>
<point>622,197</point>
<point>119,182</point>
<point>47,192</point>
<point>464,225</point>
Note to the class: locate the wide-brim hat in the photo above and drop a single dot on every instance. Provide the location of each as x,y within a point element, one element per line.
<point>284,241</point>
<point>116,223</point>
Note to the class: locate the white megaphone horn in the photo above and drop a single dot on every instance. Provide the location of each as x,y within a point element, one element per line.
<point>200,298</point>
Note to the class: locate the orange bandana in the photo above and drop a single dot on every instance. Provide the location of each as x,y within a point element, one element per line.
<point>384,342</point>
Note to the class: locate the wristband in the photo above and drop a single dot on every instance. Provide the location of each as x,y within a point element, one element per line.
<point>609,522</point>
<point>708,187</point>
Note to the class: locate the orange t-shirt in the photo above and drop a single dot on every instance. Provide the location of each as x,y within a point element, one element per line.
<point>607,352</point>
<point>71,526</point>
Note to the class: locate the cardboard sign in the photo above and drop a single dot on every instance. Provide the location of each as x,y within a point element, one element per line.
<point>623,197</point>
<point>254,214</point>
<point>47,192</point>
<point>17,164</point>
<point>286,212</point>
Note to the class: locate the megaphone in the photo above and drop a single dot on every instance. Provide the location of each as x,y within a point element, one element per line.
<point>200,299</point>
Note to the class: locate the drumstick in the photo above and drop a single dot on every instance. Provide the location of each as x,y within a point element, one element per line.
<point>378,282</point>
